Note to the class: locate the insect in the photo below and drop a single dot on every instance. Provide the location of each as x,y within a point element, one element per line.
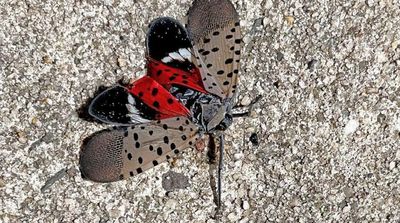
<point>188,91</point>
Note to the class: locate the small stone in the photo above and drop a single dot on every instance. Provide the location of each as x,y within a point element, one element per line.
<point>294,202</point>
<point>294,150</point>
<point>348,192</point>
<point>245,100</point>
<point>250,128</point>
<point>302,84</point>
<point>114,212</point>
<point>171,204</point>
<point>200,144</point>
<point>292,78</point>
<point>173,180</point>
<point>392,165</point>
<point>48,101</point>
<point>381,57</point>
<point>246,39</point>
<point>317,27</point>
<point>254,139</point>
<point>233,217</point>
<point>241,191</point>
<point>279,56</point>
<point>395,44</point>
<point>279,192</point>
<point>238,163</point>
<point>72,172</point>
<point>351,127</point>
<point>121,62</point>
<point>22,137</point>
<point>311,64</point>
<point>246,205</point>
<point>268,4</point>
<point>36,122</point>
<point>397,125</point>
<point>381,118</point>
<point>47,60</point>
<point>244,220</point>
<point>238,156</point>
<point>347,209</point>
<point>69,201</point>
<point>289,20</point>
<point>265,21</point>
<point>258,22</point>
<point>252,157</point>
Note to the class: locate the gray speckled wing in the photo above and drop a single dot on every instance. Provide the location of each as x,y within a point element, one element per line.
<point>214,29</point>
<point>119,153</point>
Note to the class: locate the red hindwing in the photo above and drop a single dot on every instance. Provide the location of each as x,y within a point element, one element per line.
<point>167,76</point>
<point>158,98</point>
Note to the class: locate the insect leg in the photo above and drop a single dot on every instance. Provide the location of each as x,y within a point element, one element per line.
<point>236,110</point>
<point>212,167</point>
<point>211,149</point>
<point>241,114</point>
<point>254,101</point>
<point>216,187</point>
<point>220,168</point>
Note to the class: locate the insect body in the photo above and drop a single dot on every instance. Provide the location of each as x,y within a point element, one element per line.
<point>188,91</point>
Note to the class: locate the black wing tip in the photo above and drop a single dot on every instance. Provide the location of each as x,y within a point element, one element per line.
<point>99,159</point>
<point>160,22</point>
<point>165,35</point>
<point>109,106</point>
<point>219,9</point>
<point>204,16</point>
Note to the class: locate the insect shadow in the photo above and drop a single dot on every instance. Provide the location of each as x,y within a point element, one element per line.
<point>83,110</point>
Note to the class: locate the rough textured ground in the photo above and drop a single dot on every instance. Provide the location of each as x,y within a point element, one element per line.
<point>328,123</point>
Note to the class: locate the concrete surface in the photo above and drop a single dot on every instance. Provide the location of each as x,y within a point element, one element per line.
<point>328,123</point>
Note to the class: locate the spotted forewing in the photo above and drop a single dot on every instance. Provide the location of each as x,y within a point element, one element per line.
<point>122,152</point>
<point>214,29</point>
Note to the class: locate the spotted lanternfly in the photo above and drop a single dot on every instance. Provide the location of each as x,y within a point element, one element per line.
<point>188,91</point>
